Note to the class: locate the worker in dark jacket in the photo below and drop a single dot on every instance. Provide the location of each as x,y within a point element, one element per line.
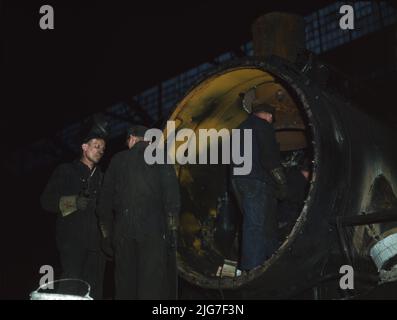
<point>71,193</point>
<point>257,192</point>
<point>139,204</point>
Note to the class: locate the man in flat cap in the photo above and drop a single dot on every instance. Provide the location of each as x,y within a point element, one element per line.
<point>71,193</point>
<point>258,191</point>
<point>139,204</point>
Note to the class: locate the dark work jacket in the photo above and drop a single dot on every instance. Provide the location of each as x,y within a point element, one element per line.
<point>80,227</point>
<point>137,197</point>
<point>265,149</point>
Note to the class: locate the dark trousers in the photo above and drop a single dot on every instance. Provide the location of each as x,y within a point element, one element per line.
<point>259,233</point>
<point>84,264</point>
<point>140,269</point>
<point>78,242</point>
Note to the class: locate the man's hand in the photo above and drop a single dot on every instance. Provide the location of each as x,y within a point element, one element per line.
<point>82,202</point>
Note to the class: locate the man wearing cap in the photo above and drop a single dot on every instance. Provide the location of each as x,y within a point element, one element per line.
<point>71,193</point>
<point>139,204</point>
<point>258,191</point>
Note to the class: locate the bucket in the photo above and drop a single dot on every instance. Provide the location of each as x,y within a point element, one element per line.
<point>37,295</point>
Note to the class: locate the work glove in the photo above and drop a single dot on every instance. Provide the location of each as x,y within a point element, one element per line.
<point>281,183</point>
<point>68,205</point>
<point>82,202</point>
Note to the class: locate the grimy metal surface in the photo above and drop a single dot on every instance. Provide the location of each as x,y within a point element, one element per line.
<point>280,34</point>
<point>354,159</point>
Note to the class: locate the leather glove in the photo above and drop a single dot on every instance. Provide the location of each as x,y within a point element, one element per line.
<point>82,202</point>
<point>281,181</point>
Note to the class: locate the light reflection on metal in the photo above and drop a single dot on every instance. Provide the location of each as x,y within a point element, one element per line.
<point>384,250</point>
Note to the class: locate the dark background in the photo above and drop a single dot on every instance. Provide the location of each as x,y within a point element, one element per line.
<point>104,52</point>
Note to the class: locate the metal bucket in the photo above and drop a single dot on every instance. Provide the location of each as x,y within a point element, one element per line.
<point>36,295</point>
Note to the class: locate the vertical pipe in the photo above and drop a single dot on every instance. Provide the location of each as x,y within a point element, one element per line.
<point>280,34</point>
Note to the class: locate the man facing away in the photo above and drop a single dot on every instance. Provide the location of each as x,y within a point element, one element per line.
<point>258,191</point>
<point>139,204</point>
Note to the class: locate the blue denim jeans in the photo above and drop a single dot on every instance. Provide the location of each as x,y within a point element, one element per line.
<point>259,233</point>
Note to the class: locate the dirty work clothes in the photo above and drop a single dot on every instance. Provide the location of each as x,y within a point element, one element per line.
<point>255,193</point>
<point>259,233</point>
<point>265,149</point>
<point>81,263</point>
<point>139,269</point>
<point>136,197</point>
<point>77,235</point>
<point>135,201</point>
